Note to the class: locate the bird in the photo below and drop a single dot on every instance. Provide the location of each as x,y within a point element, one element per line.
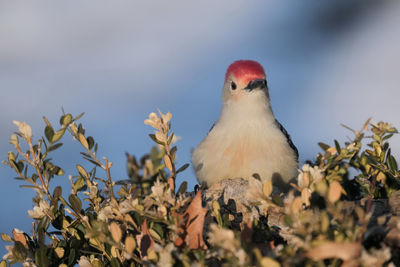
<point>247,140</point>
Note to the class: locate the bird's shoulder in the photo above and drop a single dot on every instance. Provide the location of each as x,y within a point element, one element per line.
<point>288,138</point>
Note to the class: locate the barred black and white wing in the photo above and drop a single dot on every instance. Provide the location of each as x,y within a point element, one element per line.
<point>289,140</point>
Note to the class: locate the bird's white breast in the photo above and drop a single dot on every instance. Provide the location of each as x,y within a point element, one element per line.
<point>244,141</point>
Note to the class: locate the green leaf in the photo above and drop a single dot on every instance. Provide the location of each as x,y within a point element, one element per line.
<point>323,146</point>
<point>20,166</point>
<point>92,161</point>
<point>63,201</point>
<point>288,220</point>
<point>55,146</point>
<point>60,172</point>
<point>79,184</point>
<point>387,136</point>
<point>182,188</point>
<point>71,257</point>
<point>43,224</point>
<point>173,153</point>
<point>6,238</point>
<point>57,136</point>
<point>257,176</point>
<point>159,230</point>
<point>67,119</point>
<point>90,141</point>
<point>169,141</point>
<point>276,198</point>
<point>82,171</point>
<point>184,167</point>
<point>75,202</point>
<point>337,145</point>
<point>49,132</point>
<point>347,127</point>
<point>41,257</point>
<point>57,192</point>
<point>392,163</point>
<point>11,156</point>
<point>79,116</point>
<point>83,141</point>
<point>114,262</point>
<point>46,121</point>
<point>154,138</point>
<point>122,191</point>
<point>28,186</point>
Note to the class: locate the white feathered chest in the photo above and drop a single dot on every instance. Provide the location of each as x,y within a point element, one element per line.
<point>245,140</point>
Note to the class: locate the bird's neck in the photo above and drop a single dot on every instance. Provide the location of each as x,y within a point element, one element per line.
<point>247,111</point>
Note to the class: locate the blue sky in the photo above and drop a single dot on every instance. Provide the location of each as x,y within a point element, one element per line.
<point>326,64</point>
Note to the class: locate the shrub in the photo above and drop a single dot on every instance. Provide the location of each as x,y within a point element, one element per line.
<point>325,219</point>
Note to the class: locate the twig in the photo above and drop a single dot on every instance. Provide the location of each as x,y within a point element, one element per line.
<point>109,181</point>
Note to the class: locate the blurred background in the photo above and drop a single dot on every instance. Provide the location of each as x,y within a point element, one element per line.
<point>327,63</point>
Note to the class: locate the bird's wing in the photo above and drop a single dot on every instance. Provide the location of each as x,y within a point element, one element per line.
<point>289,140</point>
<point>211,128</point>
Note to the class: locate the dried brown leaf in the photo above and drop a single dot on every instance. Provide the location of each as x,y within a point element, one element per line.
<point>20,237</point>
<point>343,251</point>
<point>144,241</point>
<point>335,191</point>
<point>116,232</point>
<point>247,232</point>
<point>305,196</point>
<point>296,205</point>
<point>130,244</point>
<point>269,262</point>
<point>168,163</point>
<point>191,224</point>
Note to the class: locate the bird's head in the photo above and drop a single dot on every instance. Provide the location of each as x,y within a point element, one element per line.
<point>245,80</point>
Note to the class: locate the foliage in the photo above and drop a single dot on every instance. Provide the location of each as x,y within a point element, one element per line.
<point>145,220</point>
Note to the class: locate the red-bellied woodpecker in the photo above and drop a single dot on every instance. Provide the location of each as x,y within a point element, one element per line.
<point>246,139</point>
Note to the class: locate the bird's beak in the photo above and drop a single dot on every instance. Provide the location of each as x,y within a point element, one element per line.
<point>257,83</point>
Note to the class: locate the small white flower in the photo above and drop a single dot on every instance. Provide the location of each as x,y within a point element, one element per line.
<point>161,137</point>
<point>93,191</point>
<point>29,263</point>
<point>39,211</point>
<point>182,200</point>
<point>14,139</point>
<point>84,262</point>
<point>242,256</point>
<point>165,117</point>
<point>165,258</point>
<point>128,205</point>
<point>375,257</point>
<point>255,194</point>
<point>157,189</point>
<point>153,120</point>
<point>254,191</point>
<point>105,213</point>
<point>223,238</point>
<point>24,129</point>
<point>9,256</point>
<point>352,146</point>
<point>303,179</point>
<point>16,230</point>
<point>162,210</point>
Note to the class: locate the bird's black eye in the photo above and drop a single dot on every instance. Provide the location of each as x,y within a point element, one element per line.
<point>233,85</point>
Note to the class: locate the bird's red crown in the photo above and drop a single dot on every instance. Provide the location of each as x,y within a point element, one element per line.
<point>245,70</point>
